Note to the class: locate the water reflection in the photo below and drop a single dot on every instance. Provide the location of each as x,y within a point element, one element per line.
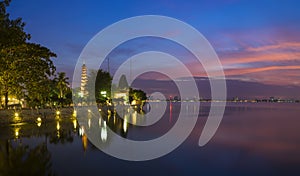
<point>251,140</point>
<point>115,122</point>
<point>74,124</point>
<point>81,131</point>
<point>104,132</point>
<point>58,131</point>
<point>74,113</point>
<point>125,125</point>
<point>17,132</point>
<point>170,109</point>
<point>25,145</point>
<point>84,141</point>
<point>57,128</point>
<point>19,159</point>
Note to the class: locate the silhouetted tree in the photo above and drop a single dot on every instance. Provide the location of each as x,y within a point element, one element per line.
<point>25,67</point>
<point>102,83</point>
<point>62,87</point>
<point>136,94</point>
<point>22,160</point>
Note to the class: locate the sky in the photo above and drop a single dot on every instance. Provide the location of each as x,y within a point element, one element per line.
<point>256,41</point>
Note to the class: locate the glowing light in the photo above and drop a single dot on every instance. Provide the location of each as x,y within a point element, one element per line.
<point>17,132</point>
<point>74,113</point>
<point>125,125</point>
<point>17,117</point>
<point>84,142</point>
<point>104,132</point>
<point>103,93</point>
<point>81,131</point>
<point>75,123</point>
<point>39,121</point>
<point>89,111</point>
<point>134,117</point>
<point>133,102</point>
<point>57,112</point>
<point>57,125</point>
<point>171,107</point>
<point>89,123</point>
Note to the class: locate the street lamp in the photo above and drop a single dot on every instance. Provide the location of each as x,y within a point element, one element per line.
<point>103,93</point>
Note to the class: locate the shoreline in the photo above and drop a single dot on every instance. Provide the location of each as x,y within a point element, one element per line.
<point>8,116</point>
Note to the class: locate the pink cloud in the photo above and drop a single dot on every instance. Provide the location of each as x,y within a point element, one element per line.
<point>242,71</point>
<point>283,45</point>
<point>273,63</point>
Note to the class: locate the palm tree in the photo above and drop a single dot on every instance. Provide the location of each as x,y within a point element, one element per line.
<point>62,85</point>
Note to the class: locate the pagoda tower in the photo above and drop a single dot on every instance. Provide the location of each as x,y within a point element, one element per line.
<point>84,79</point>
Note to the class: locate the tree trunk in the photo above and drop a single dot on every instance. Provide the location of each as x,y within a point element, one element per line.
<point>6,100</point>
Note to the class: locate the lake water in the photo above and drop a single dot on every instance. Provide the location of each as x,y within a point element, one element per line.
<point>253,139</point>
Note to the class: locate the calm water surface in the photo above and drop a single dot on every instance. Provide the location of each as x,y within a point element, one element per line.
<point>253,139</point>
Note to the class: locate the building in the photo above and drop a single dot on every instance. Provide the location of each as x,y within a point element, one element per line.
<point>121,94</point>
<point>84,80</point>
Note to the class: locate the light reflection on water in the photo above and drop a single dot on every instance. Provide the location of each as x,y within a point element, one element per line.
<point>260,139</point>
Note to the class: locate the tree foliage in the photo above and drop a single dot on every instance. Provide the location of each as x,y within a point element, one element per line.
<point>62,84</point>
<point>25,67</point>
<point>137,94</point>
<point>12,31</point>
<point>103,82</point>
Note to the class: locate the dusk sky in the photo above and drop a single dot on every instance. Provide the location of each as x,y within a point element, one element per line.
<point>256,41</point>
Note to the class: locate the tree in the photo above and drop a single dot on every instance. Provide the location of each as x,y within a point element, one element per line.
<point>12,31</point>
<point>39,93</point>
<point>62,86</point>
<point>136,94</point>
<point>102,84</point>
<point>20,159</point>
<point>25,67</point>
<point>11,35</point>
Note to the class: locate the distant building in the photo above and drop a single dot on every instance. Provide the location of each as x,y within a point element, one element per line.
<point>84,80</point>
<point>122,91</point>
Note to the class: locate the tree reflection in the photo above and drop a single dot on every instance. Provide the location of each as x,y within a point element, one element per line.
<point>23,160</point>
<point>61,136</point>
